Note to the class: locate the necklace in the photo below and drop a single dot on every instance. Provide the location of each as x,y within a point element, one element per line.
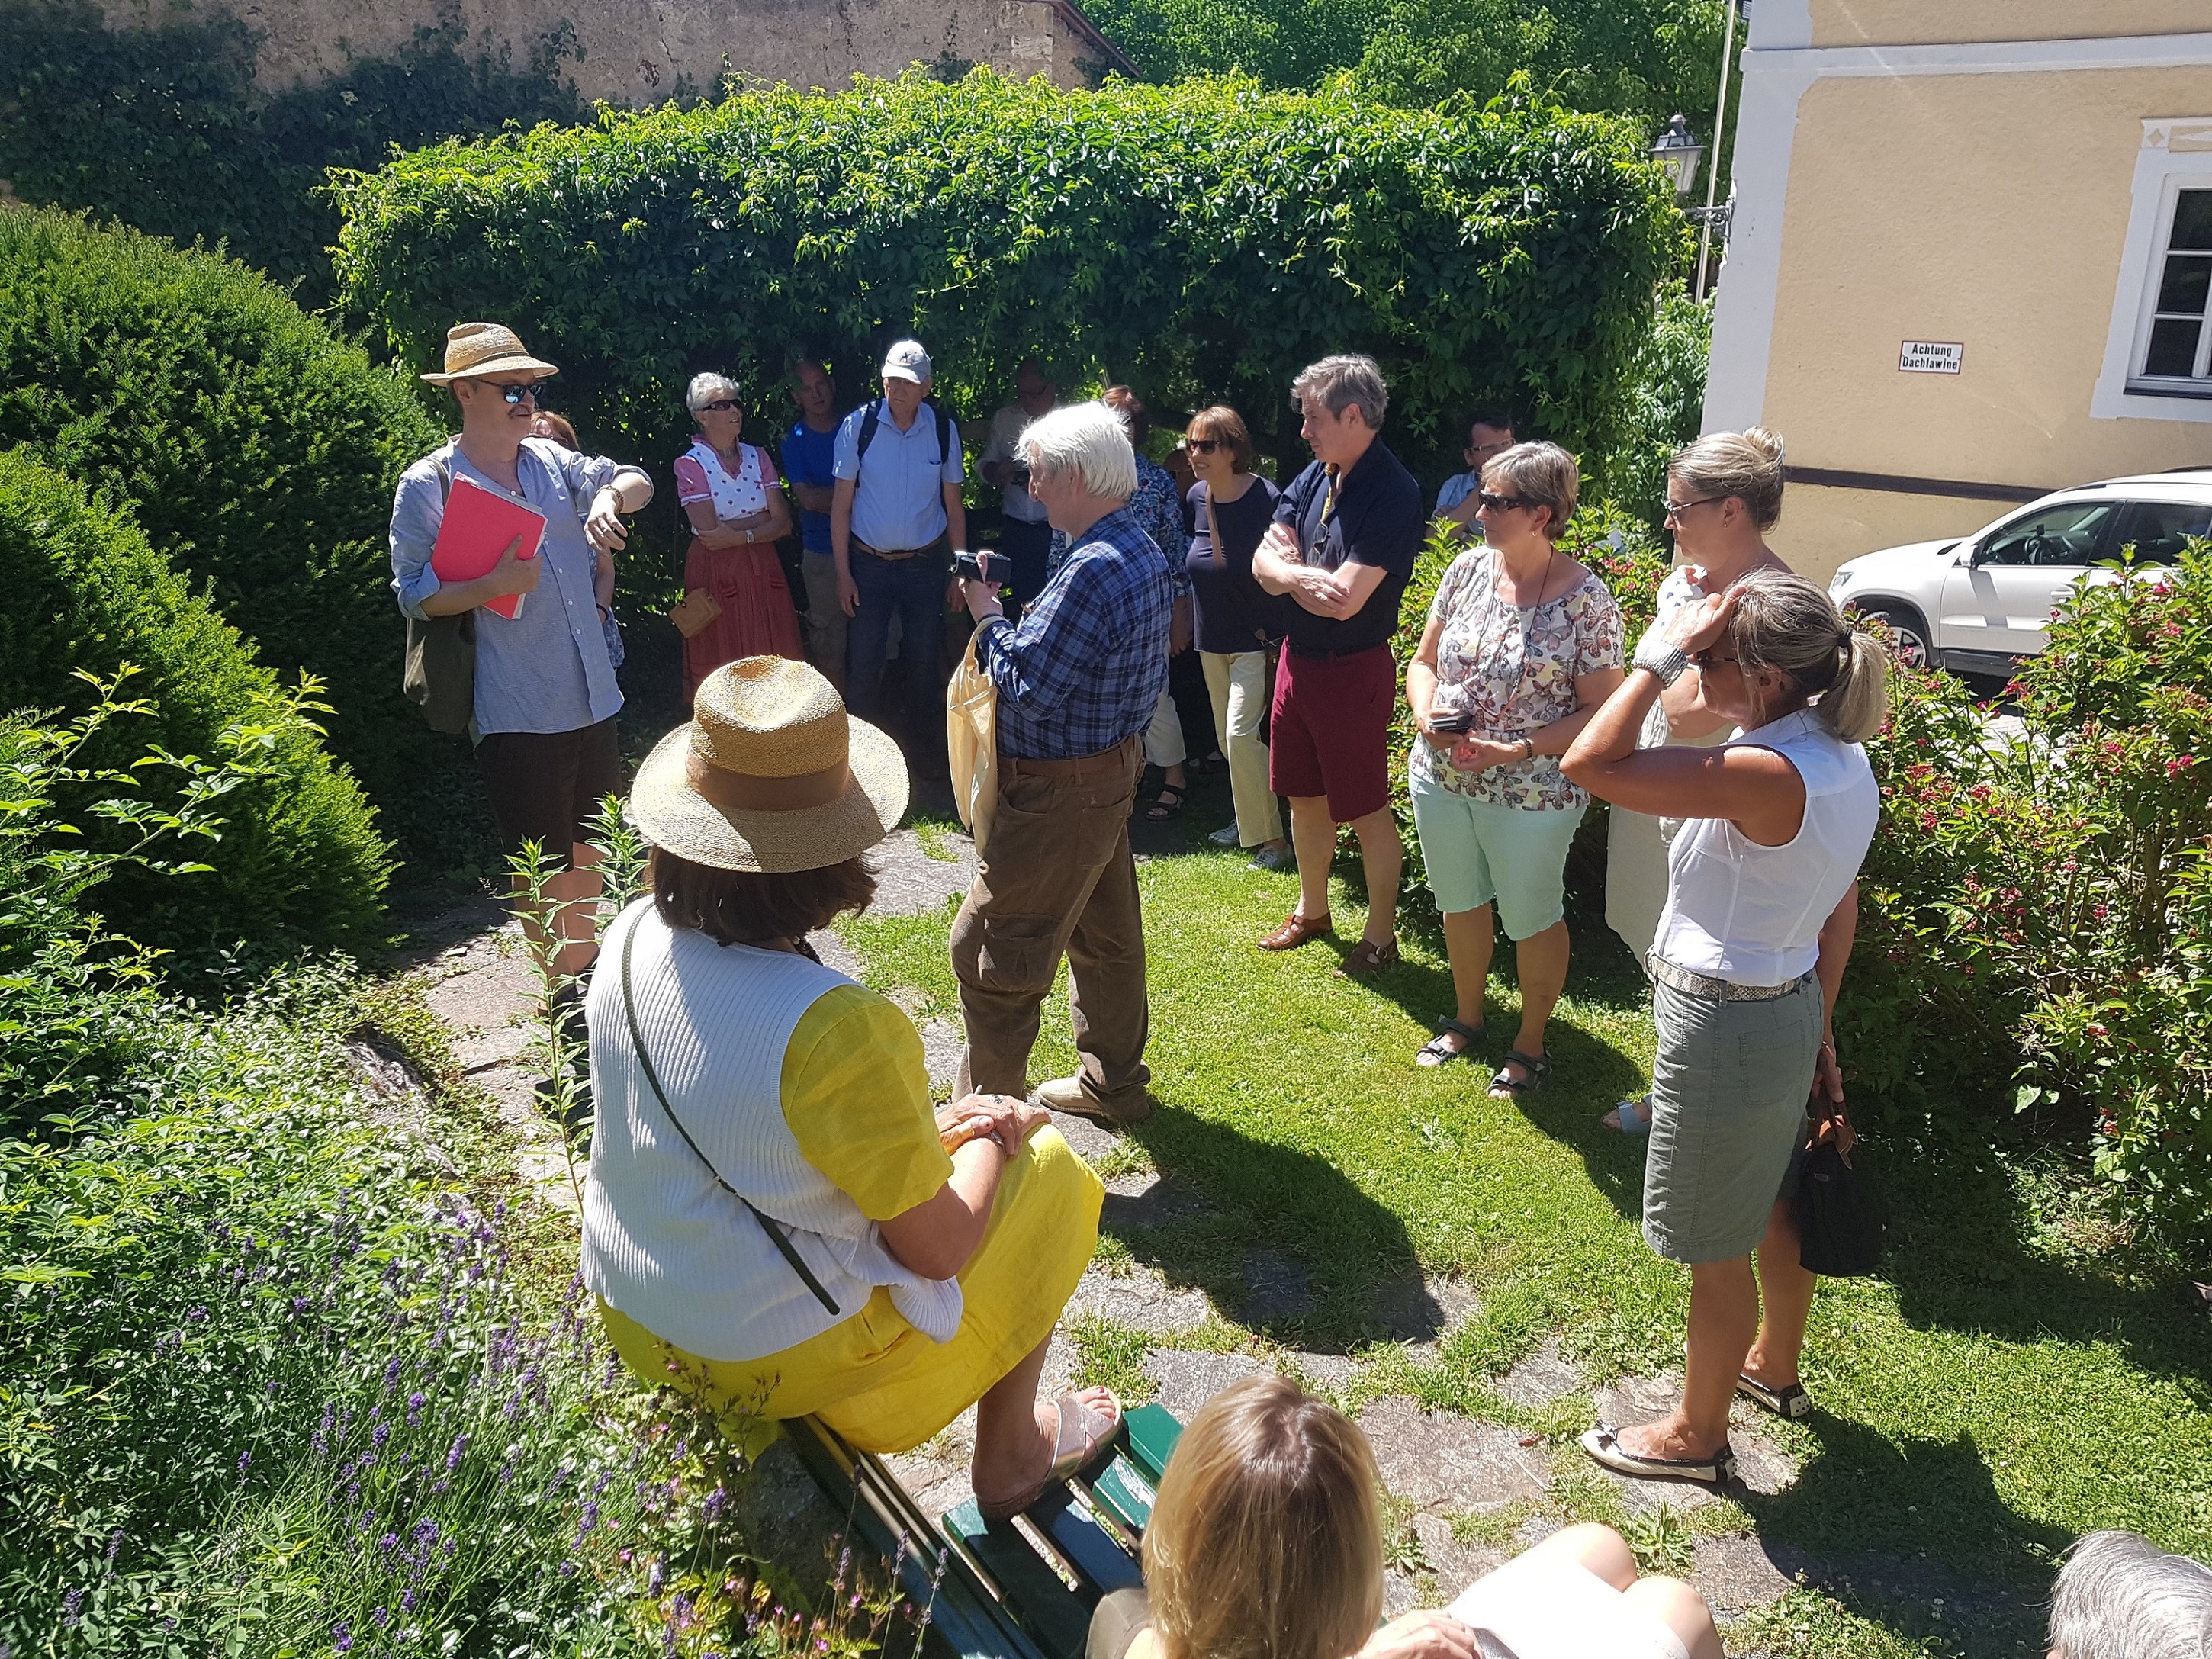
<point>1511,615</point>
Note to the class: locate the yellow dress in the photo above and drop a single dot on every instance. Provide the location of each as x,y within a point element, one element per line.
<point>855,1093</point>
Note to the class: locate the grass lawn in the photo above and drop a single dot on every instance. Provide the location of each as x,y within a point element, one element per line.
<point>1997,1391</point>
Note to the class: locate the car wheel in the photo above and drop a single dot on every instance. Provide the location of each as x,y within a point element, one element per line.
<point>1909,636</point>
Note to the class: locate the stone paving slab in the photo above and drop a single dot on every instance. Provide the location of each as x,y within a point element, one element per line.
<point>1141,1298</point>
<point>1442,1461</point>
<point>1543,1376</point>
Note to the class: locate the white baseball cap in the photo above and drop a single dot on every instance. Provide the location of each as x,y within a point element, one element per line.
<point>907,361</point>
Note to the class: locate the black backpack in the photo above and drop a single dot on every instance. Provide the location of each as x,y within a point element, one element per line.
<point>874,418</point>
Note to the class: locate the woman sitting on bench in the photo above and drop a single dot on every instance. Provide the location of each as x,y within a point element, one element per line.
<point>1265,1544</point>
<point>775,1220</point>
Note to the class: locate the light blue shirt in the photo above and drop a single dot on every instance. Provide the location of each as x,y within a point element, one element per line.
<point>547,669</point>
<point>898,499</point>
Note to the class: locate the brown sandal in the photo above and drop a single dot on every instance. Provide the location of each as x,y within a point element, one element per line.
<point>1083,1434</point>
<point>1295,931</point>
<point>1368,957</point>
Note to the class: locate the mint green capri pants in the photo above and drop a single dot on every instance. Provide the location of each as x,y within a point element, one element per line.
<point>1479,850</point>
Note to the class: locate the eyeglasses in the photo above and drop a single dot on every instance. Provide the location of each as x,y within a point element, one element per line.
<point>1676,509</point>
<point>513,391</point>
<point>720,406</point>
<point>1484,452</point>
<point>1500,503</point>
<point>1203,446</point>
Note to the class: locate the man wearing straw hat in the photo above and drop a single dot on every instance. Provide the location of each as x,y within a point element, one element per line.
<point>1078,681</point>
<point>544,725</point>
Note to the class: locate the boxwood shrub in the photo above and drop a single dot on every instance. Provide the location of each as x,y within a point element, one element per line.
<point>1201,241</point>
<point>257,450</point>
<point>299,861</point>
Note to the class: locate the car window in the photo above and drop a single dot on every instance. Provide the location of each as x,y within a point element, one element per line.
<point>2067,534</point>
<point>2159,530</point>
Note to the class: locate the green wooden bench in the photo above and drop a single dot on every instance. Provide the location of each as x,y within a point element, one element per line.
<point>1016,1589</point>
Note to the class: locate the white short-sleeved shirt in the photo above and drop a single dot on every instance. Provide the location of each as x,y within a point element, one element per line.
<point>899,495</point>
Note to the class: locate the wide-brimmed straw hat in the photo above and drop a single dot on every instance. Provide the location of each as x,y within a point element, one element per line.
<point>474,349</point>
<point>771,774</point>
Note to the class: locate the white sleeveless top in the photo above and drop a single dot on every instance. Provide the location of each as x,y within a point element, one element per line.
<point>735,497</point>
<point>1752,914</point>
<point>663,1243</point>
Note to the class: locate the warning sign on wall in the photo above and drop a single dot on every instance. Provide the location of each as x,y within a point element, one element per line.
<point>1930,357</point>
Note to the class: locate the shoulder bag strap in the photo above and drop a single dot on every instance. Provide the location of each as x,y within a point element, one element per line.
<point>776,1235</point>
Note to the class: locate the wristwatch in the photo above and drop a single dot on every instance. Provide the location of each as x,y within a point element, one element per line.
<point>1664,660</point>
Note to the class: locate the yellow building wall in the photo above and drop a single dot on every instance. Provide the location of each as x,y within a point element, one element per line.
<point>1951,22</point>
<point>1988,210</point>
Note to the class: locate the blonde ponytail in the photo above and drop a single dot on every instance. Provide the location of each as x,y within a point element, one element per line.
<point>1785,622</point>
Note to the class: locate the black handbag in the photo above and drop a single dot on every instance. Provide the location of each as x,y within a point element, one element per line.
<point>1842,1221</point>
<point>440,678</point>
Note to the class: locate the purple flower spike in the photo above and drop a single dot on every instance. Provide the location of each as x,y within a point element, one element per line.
<point>453,1453</point>
<point>407,1602</point>
<point>379,1618</point>
<point>70,1603</point>
<point>244,1458</point>
<point>341,1638</point>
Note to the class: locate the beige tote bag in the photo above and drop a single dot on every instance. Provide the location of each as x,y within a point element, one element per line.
<point>971,734</point>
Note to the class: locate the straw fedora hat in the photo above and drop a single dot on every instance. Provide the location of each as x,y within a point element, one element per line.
<point>771,774</point>
<point>474,349</point>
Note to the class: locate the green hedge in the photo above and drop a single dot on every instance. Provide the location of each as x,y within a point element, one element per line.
<point>162,128</point>
<point>1200,240</point>
<point>257,451</point>
<point>300,861</point>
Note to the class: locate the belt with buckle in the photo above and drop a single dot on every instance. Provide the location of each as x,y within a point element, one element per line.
<point>1690,983</point>
<point>896,553</point>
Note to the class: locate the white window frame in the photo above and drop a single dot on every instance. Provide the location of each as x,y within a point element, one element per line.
<point>2176,156</point>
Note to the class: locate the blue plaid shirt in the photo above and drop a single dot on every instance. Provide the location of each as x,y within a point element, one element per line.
<point>1157,508</point>
<point>1086,667</point>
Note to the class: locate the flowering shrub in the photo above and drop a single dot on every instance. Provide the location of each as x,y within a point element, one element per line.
<point>2037,911</point>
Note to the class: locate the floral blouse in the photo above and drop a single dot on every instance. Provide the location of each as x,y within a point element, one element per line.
<point>1515,668</point>
<point>1157,508</point>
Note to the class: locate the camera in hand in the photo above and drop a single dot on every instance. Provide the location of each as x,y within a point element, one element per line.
<point>1455,722</point>
<point>982,565</point>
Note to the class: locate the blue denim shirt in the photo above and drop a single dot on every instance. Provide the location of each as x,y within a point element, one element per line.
<point>548,669</point>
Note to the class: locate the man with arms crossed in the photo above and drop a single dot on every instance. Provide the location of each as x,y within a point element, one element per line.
<point>545,692</point>
<point>1078,680</point>
<point>1343,541</point>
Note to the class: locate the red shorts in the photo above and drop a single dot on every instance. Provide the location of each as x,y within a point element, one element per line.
<point>1330,733</point>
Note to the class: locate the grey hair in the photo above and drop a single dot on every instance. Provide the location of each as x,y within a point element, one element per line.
<point>1540,472</point>
<point>705,388</point>
<point>1346,380</point>
<point>1088,440</point>
<point>1784,621</point>
<point>1747,464</point>
<point>2120,1596</point>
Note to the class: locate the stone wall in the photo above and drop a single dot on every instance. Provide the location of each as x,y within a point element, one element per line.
<point>639,51</point>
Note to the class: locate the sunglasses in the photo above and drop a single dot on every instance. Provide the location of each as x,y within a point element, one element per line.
<point>1708,657</point>
<point>719,406</point>
<point>513,391</point>
<point>1501,503</point>
<point>1676,509</point>
<point>1204,446</point>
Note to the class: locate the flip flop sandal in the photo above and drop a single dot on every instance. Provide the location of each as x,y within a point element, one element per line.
<point>1505,1086</point>
<point>1166,806</point>
<point>1082,1435</point>
<point>1604,1447</point>
<point>1792,1401</point>
<point>1634,1115</point>
<point>1437,1052</point>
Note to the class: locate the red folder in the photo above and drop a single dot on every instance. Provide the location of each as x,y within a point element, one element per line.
<point>478,525</point>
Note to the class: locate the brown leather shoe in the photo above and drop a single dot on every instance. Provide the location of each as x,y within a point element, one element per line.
<point>1295,931</point>
<point>1368,957</point>
<point>1068,1094</point>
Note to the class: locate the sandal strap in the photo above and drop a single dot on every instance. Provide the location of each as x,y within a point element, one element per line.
<point>1081,1432</point>
<point>1460,1028</point>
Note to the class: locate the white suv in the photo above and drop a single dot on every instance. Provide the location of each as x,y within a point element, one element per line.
<point>1977,605</point>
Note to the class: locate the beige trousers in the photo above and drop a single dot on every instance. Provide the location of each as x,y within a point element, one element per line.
<point>1163,743</point>
<point>1238,684</point>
